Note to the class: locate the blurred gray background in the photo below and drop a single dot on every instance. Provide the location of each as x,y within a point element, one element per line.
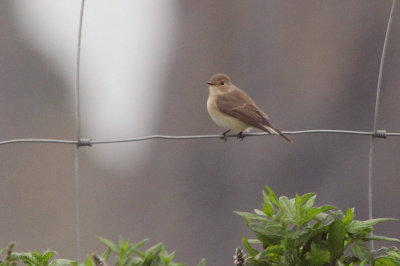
<point>145,64</point>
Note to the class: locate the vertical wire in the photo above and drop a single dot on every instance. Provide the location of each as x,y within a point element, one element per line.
<point>376,116</point>
<point>77,203</point>
<point>78,135</point>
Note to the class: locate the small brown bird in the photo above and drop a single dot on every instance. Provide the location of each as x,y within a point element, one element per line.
<point>233,110</point>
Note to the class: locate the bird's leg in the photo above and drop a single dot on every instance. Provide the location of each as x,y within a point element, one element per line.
<point>241,136</point>
<point>224,135</point>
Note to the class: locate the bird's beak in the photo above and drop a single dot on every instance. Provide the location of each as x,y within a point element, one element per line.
<point>209,83</point>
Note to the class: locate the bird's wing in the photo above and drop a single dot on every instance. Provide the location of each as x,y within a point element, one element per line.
<point>238,104</point>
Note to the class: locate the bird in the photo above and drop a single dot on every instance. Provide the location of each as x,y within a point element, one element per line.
<point>234,111</point>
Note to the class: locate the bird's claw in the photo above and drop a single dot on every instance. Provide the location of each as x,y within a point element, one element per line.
<point>240,136</point>
<point>224,137</point>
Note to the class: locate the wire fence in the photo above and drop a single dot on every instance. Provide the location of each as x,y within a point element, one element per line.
<point>376,115</point>
<point>80,142</point>
<point>78,132</point>
<point>88,142</point>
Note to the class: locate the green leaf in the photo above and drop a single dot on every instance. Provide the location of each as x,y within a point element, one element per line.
<point>61,262</point>
<point>385,262</point>
<point>27,258</point>
<point>325,219</point>
<point>317,257</point>
<point>106,254</point>
<point>88,261</point>
<point>271,231</point>
<point>299,210</point>
<point>275,249</point>
<point>360,251</point>
<point>267,234</point>
<point>272,197</point>
<point>141,243</point>
<point>202,262</point>
<point>254,241</point>
<point>336,235</point>
<point>304,234</point>
<point>392,257</point>
<point>45,257</point>
<point>166,258</point>
<point>270,256</point>
<point>384,250</point>
<point>109,244</point>
<point>359,227</point>
<point>268,208</point>
<point>287,207</point>
<point>125,250</point>
<point>310,202</point>
<point>313,212</point>
<point>297,201</point>
<point>247,246</point>
<point>258,212</point>
<point>348,218</point>
<point>394,254</point>
<point>154,249</point>
<point>383,238</point>
<point>250,216</point>
<point>305,197</point>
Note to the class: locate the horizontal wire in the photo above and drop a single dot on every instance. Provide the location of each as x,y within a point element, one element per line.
<point>59,141</point>
<point>88,142</point>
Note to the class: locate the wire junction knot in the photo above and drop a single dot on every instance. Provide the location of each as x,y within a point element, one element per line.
<point>85,142</point>
<point>380,133</point>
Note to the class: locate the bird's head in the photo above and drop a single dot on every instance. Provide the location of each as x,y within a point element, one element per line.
<point>220,83</point>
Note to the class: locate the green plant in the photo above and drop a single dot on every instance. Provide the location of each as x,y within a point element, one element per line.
<point>127,253</point>
<point>10,259</point>
<point>295,232</point>
<point>35,258</point>
<point>289,232</point>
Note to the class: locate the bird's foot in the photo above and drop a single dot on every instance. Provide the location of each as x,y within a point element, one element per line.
<point>224,135</point>
<point>241,136</point>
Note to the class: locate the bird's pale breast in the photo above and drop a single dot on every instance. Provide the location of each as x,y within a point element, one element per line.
<point>223,120</point>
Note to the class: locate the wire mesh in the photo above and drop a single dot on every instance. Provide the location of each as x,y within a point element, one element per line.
<point>79,142</point>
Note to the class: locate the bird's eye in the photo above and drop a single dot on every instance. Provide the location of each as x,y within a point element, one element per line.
<point>222,83</point>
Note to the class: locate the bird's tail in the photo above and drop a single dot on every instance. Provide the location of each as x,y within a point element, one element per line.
<point>272,129</point>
